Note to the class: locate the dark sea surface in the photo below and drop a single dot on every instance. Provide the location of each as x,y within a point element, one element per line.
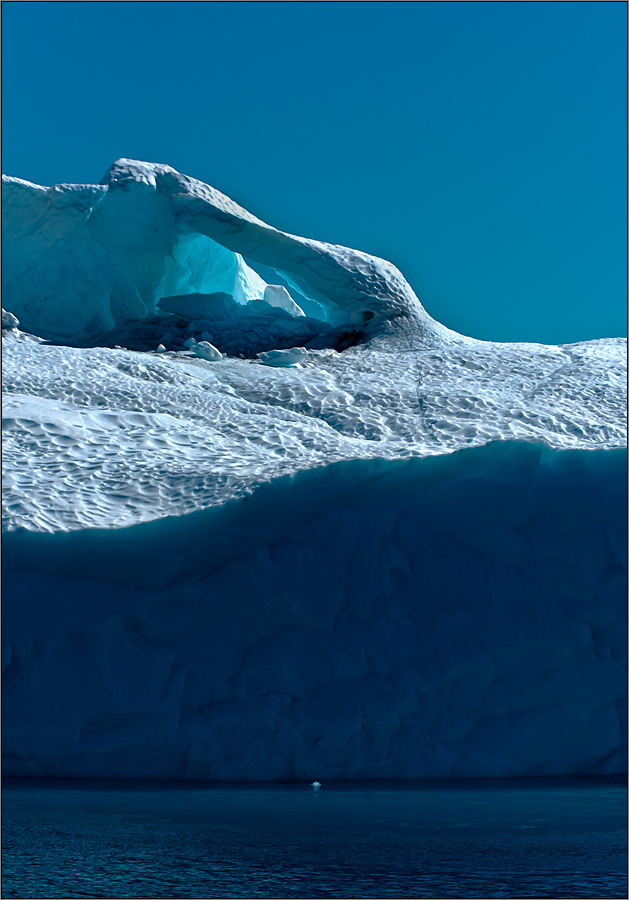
<point>482,838</point>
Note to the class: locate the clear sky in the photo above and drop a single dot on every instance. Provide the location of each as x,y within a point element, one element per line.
<point>478,146</point>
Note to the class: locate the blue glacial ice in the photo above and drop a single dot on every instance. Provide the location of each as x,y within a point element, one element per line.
<point>259,531</point>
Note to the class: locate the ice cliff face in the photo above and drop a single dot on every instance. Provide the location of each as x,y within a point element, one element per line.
<point>404,556</point>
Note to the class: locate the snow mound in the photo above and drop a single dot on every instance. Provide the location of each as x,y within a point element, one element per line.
<point>292,357</point>
<point>9,321</point>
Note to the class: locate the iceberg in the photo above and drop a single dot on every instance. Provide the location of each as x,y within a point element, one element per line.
<point>83,259</point>
<point>244,542</point>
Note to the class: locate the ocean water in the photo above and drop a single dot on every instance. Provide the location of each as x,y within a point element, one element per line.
<point>482,838</point>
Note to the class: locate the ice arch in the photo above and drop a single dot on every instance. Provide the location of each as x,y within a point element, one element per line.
<point>86,258</point>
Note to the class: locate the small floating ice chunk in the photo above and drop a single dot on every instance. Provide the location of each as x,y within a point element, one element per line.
<point>291,357</point>
<point>316,785</point>
<point>160,348</point>
<point>205,350</point>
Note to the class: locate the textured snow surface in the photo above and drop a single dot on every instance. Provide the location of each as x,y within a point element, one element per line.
<point>99,437</point>
<point>393,552</point>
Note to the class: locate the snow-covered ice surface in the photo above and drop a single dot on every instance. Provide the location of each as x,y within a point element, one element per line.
<point>105,437</point>
<point>404,557</point>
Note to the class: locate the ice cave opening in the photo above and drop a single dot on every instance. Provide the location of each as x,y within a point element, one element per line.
<point>98,260</point>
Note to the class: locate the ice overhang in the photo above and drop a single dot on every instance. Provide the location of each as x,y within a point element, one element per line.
<point>88,258</point>
<point>342,280</point>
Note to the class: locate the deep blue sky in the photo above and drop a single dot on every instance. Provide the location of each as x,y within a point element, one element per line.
<point>478,146</point>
